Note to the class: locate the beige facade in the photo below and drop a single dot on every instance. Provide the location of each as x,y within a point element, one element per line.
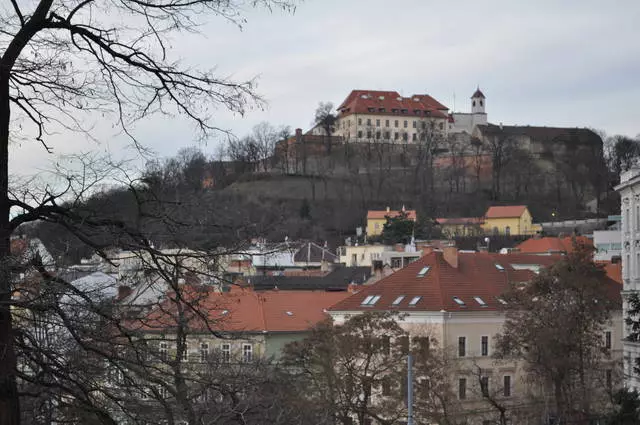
<point>391,128</point>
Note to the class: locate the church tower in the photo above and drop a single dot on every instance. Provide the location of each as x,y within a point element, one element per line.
<point>478,102</point>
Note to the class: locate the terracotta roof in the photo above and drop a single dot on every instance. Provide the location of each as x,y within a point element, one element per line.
<point>385,102</point>
<point>549,244</point>
<point>505,211</point>
<point>460,220</point>
<point>478,282</point>
<point>613,270</point>
<point>244,310</point>
<point>478,93</point>
<point>374,214</point>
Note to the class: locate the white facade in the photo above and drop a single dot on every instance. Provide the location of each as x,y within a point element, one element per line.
<point>629,189</point>
<point>608,244</point>
<point>464,122</point>
<point>388,128</point>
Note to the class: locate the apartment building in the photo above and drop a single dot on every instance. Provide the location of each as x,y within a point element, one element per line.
<point>629,190</point>
<point>456,297</point>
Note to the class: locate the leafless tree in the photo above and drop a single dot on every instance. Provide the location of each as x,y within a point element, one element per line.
<point>326,119</point>
<point>62,61</point>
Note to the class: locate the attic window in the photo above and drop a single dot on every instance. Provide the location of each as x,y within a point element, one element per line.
<point>480,301</point>
<point>370,300</point>
<point>289,313</point>
<point>424,271</point>
<point>372,109</point>
<point>224,312</point>
<point>501,301</point>
<point>394,110</point>
<point>499,267</point>
<point>416,111</point>
<point>381,97</point>
<point>459,301</point>
<point>381,110</point>
<point>398,300</point>
<point>414,300</point>
<point>364,96</point>
<point>404,111</point>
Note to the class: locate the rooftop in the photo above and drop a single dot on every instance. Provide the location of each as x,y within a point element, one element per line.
<point>509,211</point>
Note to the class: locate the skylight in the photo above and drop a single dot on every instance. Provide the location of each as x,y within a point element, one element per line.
<point>370,300</point>
<point>225,312</point>
<point>499,267</point>
<point>414,300</point>
<point>423,271</point>
<point>398,300</point>
<point>480,301</point>
<point>289,313</point>
<point>501,301</point>
<point>459,301</point>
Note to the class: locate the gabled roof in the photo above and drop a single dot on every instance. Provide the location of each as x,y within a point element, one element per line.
<point>314,253</point>
<point>478,93</point>
<point>379,215</point>
<point>552,244</point>
<point>509,211</point>
<point>244,310</point>
<point>475,285</point>
<point>385,102</point>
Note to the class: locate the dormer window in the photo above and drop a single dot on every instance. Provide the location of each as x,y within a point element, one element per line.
<point>381,110</point>
<point>417,111</point>
<point>414,301</point>
<point>404,111</point>
<point>371,109</point>
<point>499,267</point>
<point>394,110</point>
<point>459,302</point>
<point>480,301</point>
<point>370,300</point>
<point>398,300</point>
<point>423,271</point>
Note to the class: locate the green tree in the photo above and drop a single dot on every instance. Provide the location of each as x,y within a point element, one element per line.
<point>398,229</point>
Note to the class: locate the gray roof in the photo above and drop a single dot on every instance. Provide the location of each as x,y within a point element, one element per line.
<point>339,279</point>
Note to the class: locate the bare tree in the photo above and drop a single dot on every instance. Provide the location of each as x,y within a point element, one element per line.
<point>326,119</point>
<point>61,61</point>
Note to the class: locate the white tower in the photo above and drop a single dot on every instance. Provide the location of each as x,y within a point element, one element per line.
<point>478,102</point>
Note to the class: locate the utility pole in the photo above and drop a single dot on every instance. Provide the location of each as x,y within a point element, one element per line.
<point>409,390</point>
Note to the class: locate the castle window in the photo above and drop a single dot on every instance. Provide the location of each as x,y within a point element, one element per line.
<point>368,121</point>
<point>480,103</point>
<point>396,123</point>
<point>377,123</point>
<point>441,125</point>
<point>415,137</point>
<point>396,136</point>
<point>415,124</point>
<point>360,134</point>
<point>386,123</point>
<point>359,121</point>
<point>473,103</point>
<point>406,123</point>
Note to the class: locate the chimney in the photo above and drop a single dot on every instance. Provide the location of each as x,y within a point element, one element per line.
<point>450,254</point>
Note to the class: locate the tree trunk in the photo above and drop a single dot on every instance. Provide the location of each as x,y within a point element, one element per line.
<point>9,402</point>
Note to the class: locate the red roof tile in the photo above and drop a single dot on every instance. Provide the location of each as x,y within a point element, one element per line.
<point>613,270</point>
<point>551,244</point>
<point>505,211</point>
<point>483,275</point>
<point>384,102</point>
<point>373,214</point>
<point>244,310</point>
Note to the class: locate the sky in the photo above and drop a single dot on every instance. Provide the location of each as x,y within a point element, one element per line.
<point>572,63</point>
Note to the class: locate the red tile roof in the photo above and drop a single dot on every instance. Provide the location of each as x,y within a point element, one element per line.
<point>551,244</point>
<point>613,270</point>
<point>384,102</point>
<point>374,214</point>
<point>509,211</point>
<point>244,310</point>
<point>483,275</point>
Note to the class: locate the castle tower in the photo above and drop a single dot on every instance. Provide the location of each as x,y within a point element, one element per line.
<point>478,102</point>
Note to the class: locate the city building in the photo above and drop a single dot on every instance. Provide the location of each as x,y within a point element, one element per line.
<point>460,226</point>
<point>608,242</point>
<point>457,298</point>
<point>377,219</point>
<point>629,190</point>
<point>372,115</point>
<point>509,220</point>
<point>465,122</point>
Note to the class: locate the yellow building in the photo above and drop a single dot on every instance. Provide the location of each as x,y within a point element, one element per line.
<point>509,220</point>
<point>377,219</point>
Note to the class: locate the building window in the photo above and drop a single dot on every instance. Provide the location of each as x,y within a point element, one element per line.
<point>608,378</point>
<point>484,385</point>
<point>377,123</point>
<point>204,352</point>
<point>484,345</point>
<point>441,126</point>
<point>506,387</point>
<point>462,346</point>
<point>626,219</point>
<point>607,340</point>
<point>387,135</point>
<point>225,353</point>
<point>415,137</point>
<point>386,123</point>
<point>360,134</point>
<point>406,123</point>
<point>415,124</point>
<point>185,353</point>
<point>396,263</point>
<point>462,388</point>
<point>405,136</point>
<point>396,136</point>
<point>163,351</point>
<point>368,135</point>
<point>359,121</point>
<point>507,231</point>
<point>396,123</point>
<point>247,353</point>
<point>369,121</point>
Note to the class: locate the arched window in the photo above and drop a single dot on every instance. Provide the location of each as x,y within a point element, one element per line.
<point>507,230</point>
<point>473,103</point>
<point>480,103</point>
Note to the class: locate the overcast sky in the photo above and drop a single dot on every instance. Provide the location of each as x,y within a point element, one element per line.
<point>568,63</point>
